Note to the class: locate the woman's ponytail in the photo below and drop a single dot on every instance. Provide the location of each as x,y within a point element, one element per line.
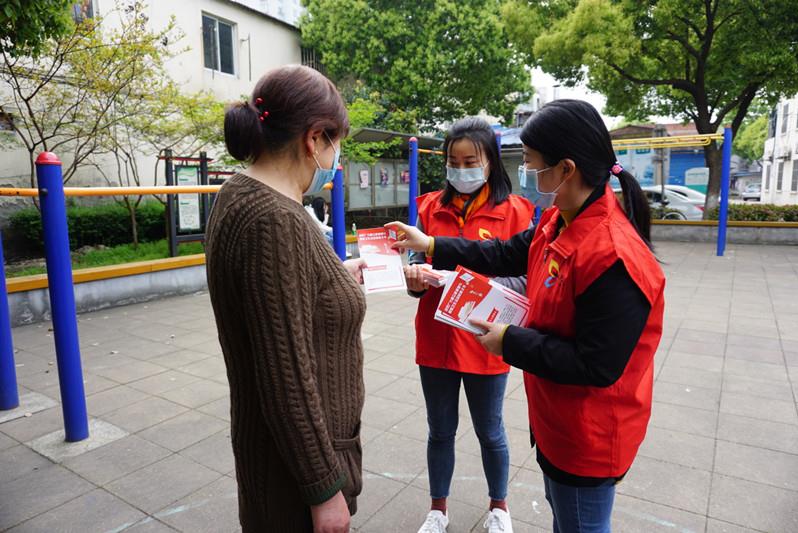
<point>635,204</point>
<point>242,133</point>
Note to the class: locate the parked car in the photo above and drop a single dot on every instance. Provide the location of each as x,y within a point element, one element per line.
<point>680,207</point>
<point>752,192</point>
<point>693,196</point>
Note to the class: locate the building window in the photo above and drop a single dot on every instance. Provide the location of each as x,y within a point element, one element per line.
<point>766,172</point>
<point>311,59</point>
<point>794,175</point>
<point>785,115</point>
<point>779,175</point>
<point>218,37</point>
<point>772,123</point>
<point>82,10</point>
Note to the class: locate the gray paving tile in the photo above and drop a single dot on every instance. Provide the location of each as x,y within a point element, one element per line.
<point>753,341</point>
<point>131,372</point>
<point>210,368</point>
<point>160,383</point>
<point>403,390</point>
<point>758,355</point>
<point>527,500</point>
<point>685,449</point>
<point>694,334</point>
<point>29,403</point>
<point>776,390</point>
<point>376,380</point>
<point>760,433</point>
<point>685,419</point>
<point>38,492</point>
<point>717,526</point>
<point>688,360</point>
<point>144,414</point>
<point>377,492</point>
<point>382,413</point>
<point>668,484</point>
<point>158,485</point>
<point>212,509</point>
<point>395,456</point>
<point>633,515</point>
<point>97,511</point>
<point>393,364</point>
<point>407,510</point>
<point>38,424</point>
<point>690,376</point>
<point>116,460</point>
<point>757,464</point>
<point>19,461</point>
<point>698,348</point>
<point>756,407</point>
<point>687,395</point>
<point>198,393</point>
<point>113,399</point>
<point>6,442</point>
<point>755,370</point>
<point>55,447</point>
<point>219,408</point>
<point>179,358</point>
<point>753,505</point>
<point>215,452</point>
<point>183,430</point>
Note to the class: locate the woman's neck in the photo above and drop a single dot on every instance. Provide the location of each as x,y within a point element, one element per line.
<point>280,174</point>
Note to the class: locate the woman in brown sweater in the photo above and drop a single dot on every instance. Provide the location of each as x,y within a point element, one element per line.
<point>288,311</point>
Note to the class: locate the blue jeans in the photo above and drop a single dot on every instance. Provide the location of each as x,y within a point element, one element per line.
<point>485,396</point>
<point>580,509</point>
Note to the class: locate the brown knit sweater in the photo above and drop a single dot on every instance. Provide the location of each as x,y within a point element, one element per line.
<point>289,318</point>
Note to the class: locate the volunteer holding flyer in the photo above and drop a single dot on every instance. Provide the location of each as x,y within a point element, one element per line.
<point>597,301</point>
<point>476,204</point>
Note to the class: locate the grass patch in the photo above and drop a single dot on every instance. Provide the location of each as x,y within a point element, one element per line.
<point>115,255</point>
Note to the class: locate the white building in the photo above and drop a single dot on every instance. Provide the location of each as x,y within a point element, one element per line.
<point>780,159</point>
<point>230,45</point>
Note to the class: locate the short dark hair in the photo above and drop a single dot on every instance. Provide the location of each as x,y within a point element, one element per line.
<point>479,132</point>
<point>573,129</point>
<point>297,99</point>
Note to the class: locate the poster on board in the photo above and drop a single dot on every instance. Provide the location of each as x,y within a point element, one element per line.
<point>188,205</point>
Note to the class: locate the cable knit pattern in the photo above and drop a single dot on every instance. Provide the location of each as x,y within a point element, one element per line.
<point>289,318</point>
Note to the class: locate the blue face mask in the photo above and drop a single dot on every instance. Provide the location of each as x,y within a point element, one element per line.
<point>466,180</point>
<point>528,179</point>
<point>323,176</point>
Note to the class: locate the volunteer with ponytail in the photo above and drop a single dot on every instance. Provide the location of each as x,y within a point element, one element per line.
<point>475,204</point>
<point>597,306</point>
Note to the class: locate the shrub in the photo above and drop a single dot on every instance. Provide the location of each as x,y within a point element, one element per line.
<point>760,213</point>
<point>107,224</point>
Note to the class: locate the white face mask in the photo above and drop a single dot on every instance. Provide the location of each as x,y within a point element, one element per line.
<point>528,179</point>
<point>466,180</point>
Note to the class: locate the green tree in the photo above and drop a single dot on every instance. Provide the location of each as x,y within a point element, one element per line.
<point>26,24</point>
<point>440,58</point>
<point>750,141</point>
<point>699,60</point>
<point>84,84</point>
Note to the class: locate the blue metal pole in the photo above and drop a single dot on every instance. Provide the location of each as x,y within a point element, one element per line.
<point>62,296</point>
<point>412,208</point>
<point>499,142</point>
<point>724,190</point>
<point>9,395</point>
<point>339,231</point>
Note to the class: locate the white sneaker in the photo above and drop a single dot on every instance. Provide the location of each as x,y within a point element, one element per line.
<point>436,522</point>
<point>498,521</point>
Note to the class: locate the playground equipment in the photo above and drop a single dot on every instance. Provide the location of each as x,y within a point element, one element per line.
<point>52,194</point>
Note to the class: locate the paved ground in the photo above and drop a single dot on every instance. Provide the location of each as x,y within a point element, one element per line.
<point>721,453</point>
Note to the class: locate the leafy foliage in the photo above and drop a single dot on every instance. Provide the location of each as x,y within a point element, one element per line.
<point>439,58</point>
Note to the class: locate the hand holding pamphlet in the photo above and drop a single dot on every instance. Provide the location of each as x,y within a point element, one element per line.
<point>469,296</point>
<point>383,272</point>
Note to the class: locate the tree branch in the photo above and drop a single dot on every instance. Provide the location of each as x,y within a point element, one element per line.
<point>676,83</point>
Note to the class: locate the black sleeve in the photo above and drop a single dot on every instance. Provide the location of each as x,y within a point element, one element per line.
<point>610,317</point>
<point>492,258</point>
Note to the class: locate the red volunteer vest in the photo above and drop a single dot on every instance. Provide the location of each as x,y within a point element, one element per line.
<point>437,344</point>
<point>591,431</point>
